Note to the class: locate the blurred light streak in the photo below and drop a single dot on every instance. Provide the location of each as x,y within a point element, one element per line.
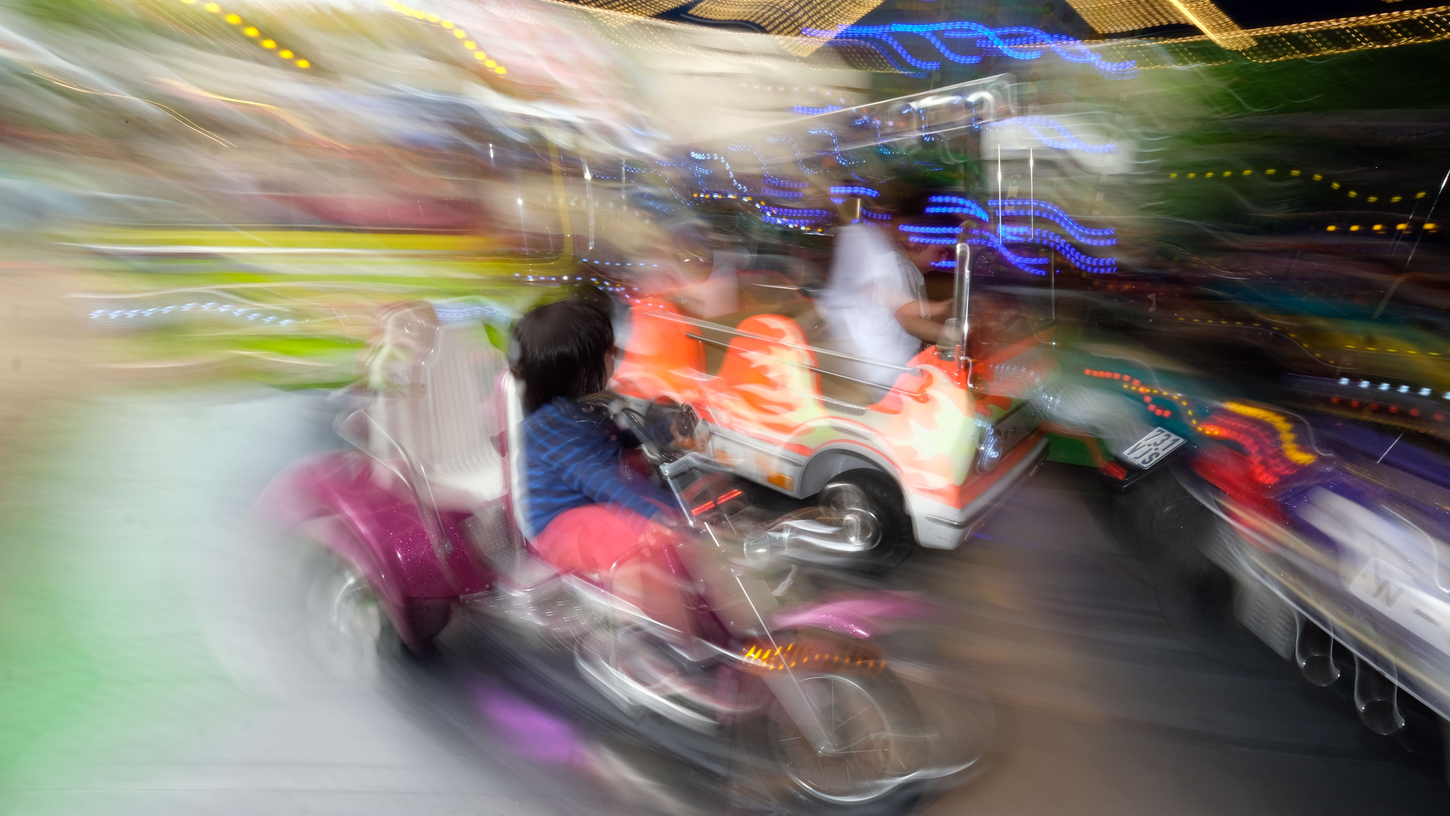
<point>168,111</point>
<point>1039,125</point>
<point>1278,43</point>
<point>280,113</point>
<point>1110,16</point>
<point>788,19</point>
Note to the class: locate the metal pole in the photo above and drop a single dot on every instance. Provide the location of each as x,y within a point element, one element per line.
<point>589,198</point>
<point>1032,191</point>
<point>999,191</point>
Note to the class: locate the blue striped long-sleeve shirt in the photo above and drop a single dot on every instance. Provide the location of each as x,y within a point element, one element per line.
<point>571,459</point>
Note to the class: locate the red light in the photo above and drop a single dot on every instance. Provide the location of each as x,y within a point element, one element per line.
<point>716,502</point>
<point>1116,471</point>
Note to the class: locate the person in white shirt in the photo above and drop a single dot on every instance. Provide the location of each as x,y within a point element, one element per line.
<point>875,301</point>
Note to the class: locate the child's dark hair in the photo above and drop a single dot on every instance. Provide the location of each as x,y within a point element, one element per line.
<point>563,350</point>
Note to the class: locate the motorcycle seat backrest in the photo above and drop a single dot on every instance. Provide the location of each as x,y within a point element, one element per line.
<point>441,415</point>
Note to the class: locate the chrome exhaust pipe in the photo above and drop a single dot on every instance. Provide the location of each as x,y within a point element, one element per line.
<point>1314,652</point>
<point>1376,697</point>
<point>812,535</point>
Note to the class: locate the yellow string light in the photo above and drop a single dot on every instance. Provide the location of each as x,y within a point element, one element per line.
<point>448,25</point>
<point>1296,173</point>
<point>251,31</point>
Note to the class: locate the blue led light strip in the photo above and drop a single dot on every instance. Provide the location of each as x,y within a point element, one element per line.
<point>1076,257</point>
<point>768,179</point>
<point>854,191</point>
<point>980,237</point>
<point>1015,42</point>
<point>955,204</point>
<point>795,212</point>
<point>1052,212</point>
<point>717,157</point>
<point>914,229</point>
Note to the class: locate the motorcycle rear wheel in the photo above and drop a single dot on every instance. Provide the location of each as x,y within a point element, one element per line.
<point>876,727</point>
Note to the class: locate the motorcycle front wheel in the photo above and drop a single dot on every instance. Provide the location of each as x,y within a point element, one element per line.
<point>877,737</point>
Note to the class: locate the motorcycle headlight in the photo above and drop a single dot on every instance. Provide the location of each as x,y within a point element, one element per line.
<point>989,448</point>
<point>674,426</point>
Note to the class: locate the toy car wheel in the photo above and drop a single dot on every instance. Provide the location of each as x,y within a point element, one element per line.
<point>871,505</point>
<point>1148,514</point>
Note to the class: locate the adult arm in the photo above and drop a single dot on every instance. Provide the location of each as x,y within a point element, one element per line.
<point>922,328</point>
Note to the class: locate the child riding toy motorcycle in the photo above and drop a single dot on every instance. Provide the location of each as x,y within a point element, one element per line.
<point>682,612</point>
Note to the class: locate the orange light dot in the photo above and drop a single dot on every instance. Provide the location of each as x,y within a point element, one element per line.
<point>470,45</point>
<point>432,18</point>
<point>490,63</point>
<point>234,19</point>
<point>303,64</point>
<point>479,55</point>
<point>213,8</point>
<point>284,54</point>
<point>447,23</point>
<point>460,33</point>
<point>251,31</point>
<point>269,43</point>
<point>501,70</point>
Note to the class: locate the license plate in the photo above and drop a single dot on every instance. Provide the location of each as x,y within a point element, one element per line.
<point>1147,451</point>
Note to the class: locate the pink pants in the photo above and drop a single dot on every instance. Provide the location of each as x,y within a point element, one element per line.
<point>625,548</point>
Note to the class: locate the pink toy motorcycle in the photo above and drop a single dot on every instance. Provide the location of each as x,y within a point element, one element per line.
<point>425,519</point>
